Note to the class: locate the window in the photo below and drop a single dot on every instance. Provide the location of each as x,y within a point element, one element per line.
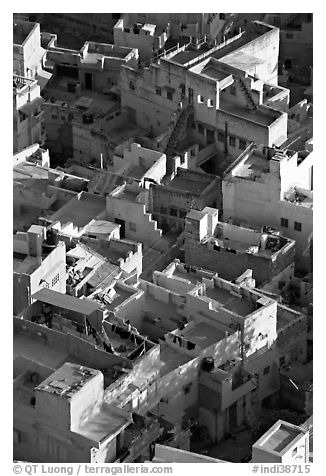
<point>233,90</point>
<point>297,226</point>
<point>54,116</point>
<point>210,103</point>
<point>253,395</point>
<point>169,95</point>
<point>163,210</point>
<point>232,141</point>
<point>222,16</point>
<point>55,280</point>
<point>158,91</point>
<point>182,213</point>
<point>281,285</point>
<point>132,226</point>
<point>192,152</point>
<point>242,144</point>
<point>173,212</point>
<point>266,370</point>
<point>187,388</point>
<point>200,129</point>
<point>289,35</point>
<point>285,222</point>
<point>131,86</point>
<point>220,136</point>
<point>210,137</point>
<point>200,99</point>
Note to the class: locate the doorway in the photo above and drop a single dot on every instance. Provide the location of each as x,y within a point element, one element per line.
<point>122,224</point>
<point>88,81</point>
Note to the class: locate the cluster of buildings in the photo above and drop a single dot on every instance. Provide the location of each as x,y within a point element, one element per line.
<point>162,241</point>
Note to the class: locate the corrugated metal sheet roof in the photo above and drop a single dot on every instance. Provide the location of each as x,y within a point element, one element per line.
<point>83,306</point>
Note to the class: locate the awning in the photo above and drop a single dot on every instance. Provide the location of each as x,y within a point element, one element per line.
<point>43,77</point>
<point>169,88</point>
<point>82,306</point>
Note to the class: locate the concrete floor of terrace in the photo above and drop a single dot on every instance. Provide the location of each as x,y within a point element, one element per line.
<point>202,334</point>
<point>251,115</point>
<point>171,359</point>
<point>27,217</point>
<point>237,305</point>
<point>161,309</point>
<point>188,184</point>
<point>57,88</point>
<point>80,211</point>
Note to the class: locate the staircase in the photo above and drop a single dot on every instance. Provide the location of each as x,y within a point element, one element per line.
<point>251,103</point>
<point>176,133</point>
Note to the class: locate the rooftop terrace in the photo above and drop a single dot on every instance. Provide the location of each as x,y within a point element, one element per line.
<point>80,210</point>
<point>103,424</point>
<point>202,334</point>
<point>171,358</point>
<point>255,115</point>
<point>32,349</point>
<point>21,30</point>
<point>188,184</point>
<point>254,166</point>
<point>67,379</point>
<point>277,438</point>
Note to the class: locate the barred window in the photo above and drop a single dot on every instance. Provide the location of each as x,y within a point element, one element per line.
<point>55,279</point>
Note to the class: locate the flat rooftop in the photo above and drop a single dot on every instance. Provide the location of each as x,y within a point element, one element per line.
<point>80,211</point>
<point>242,60</point>
<point>24,264</point>
<point>104,249</point>
<point>125,132</point>
<point>36,351</point>
<point>189,184</point>
<point>98,104</point>
<point>102,226</point>
<point>189,54</point>
<point>171,359</point>
<point>120,296</point>
<point>160,308</point>
<point>254,166</point>
<point>21,30</point>
<point>240,306</point>
<point>277,439</point>
<point>252,115</point>
<point>103,424</point>
<point>214,72</point>
<point>202,334</point>
<point>67,379</point>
